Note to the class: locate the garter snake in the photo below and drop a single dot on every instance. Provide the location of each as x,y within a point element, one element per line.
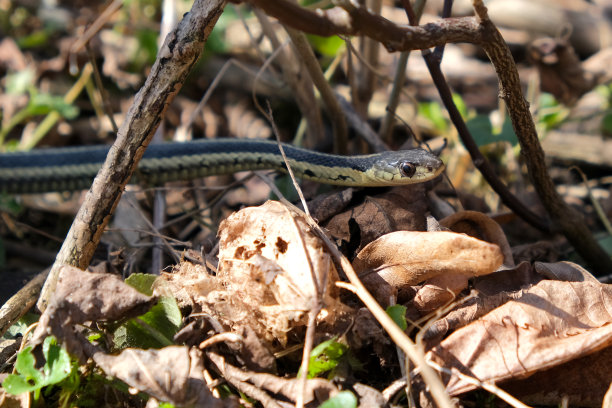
<point>70,169</point>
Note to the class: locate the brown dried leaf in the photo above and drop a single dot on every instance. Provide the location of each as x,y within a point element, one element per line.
<point>405,258</point>
<point>549,324</point>
<point>317,389</point>
<point>439,291</point>
<point>398,209</point>
<point>491,291</point>
<point>583,381</point>
<point>564,271</point>
<point>172,374</point>
<point>481,226</point>
<point>83,296</point>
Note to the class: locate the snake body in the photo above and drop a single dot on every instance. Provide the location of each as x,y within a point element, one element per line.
<point>70,169</point>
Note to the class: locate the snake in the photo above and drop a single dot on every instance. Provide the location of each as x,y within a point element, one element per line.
<point>74,168</point>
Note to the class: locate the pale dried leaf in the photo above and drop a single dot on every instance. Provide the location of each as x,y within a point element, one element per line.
<point>607,402</point>
<point>268,259</point>
<point>549,324</point>
<point>405,258</point>
<point>190,284</point>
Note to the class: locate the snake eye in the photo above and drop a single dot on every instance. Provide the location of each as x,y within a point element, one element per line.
<point>407,169</point>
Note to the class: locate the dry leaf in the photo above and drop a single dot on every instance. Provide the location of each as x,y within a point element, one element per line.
<point>405,258</point>
<point>83,296</point>
<point>399,209</point>
<point>439,291</point>
<point>583,382</point>
<point>490,291</point>
<point>549,324</point>
<point>171,374</point>
<point>268,261</point>
<point>316,390</point>
<point>479,225</point>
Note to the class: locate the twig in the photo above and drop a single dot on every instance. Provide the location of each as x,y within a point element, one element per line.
<point>236,377</point>
<point>598,209</point>
<point>492,388</point>
<point>174,62</point>
<point>369,48</point>
<point>19,304</point>
<point>317,305</point>
<point>481,163</point>
<point>96,26</point>
<point>400,75</point>
<point>327,94</point>
<point>106,105</point>
<point>291,68</point>
<point>351,20</point>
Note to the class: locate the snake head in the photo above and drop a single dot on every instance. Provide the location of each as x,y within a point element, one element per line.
<point>406,167</point>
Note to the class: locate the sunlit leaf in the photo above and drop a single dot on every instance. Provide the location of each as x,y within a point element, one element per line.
<point>344,399</point>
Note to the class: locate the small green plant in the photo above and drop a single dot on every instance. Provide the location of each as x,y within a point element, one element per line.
<point>39,103</point>
<point>328,356</point>
<point>57,368</point>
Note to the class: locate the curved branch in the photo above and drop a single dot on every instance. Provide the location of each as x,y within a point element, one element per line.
<point>351,20</point>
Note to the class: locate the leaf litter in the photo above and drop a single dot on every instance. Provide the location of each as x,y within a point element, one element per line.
<point>522,321</point>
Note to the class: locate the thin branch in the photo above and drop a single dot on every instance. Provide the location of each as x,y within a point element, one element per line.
<point>569,220</point>
<point>481,163</point>
<point>327,94</point>
<point>352,20</point>
<point>301,85</point>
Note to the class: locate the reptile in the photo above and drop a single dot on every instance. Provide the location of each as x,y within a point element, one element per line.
<point>74,168</point>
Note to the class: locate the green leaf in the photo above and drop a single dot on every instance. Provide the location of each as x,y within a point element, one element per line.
<point>43,103</point>
<point>57,367</point>
<point>343,399</point>
<point>37,38</point>
<point>550,113</point>
<point>483,134</point>
<point>154,329</point>
<point>398,314</point>
<point>326,46</point>
<point>325,357</point>
<point>142,282</point>
<point>433,112</point>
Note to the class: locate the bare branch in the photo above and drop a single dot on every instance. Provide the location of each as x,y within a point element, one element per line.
<point>352,20</point>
